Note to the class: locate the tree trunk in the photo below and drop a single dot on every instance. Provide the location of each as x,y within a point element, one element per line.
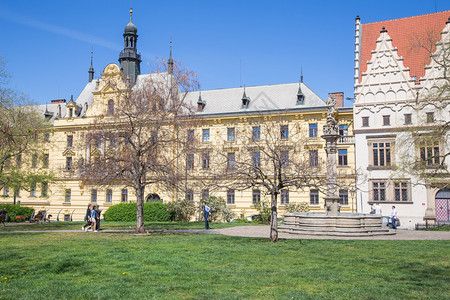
<point>273,219</point>
<point>140,210</point>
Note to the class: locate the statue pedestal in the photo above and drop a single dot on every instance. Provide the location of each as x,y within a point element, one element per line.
<point>332,205</point>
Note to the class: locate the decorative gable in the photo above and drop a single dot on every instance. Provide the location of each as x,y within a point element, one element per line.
<point>386,78</point>
<point>437,72</point>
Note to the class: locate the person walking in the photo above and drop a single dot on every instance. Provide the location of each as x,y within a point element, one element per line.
<point>206,213</point>
<point>98,211</point>
<point>93,219</point>
<point>377,208</point>
<point>87,219</point>
<point>394,218</point>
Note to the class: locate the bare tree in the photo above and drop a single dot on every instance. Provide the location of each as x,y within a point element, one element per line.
<point>271,154</point>
<point>22,130</point>
<point>429,137</point>
<point>143,134</point>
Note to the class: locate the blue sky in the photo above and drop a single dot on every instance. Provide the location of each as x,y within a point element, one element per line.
<point>47,44</point>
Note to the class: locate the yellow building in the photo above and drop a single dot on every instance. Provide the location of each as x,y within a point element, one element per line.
<point>227,114</point>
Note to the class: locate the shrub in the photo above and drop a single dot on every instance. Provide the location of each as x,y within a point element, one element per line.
<point>297,207</point>
<point>181,210</point>
<point>17,210</point>
<point>153,212</point>
<point>219,209</point>
<point>264,210</point>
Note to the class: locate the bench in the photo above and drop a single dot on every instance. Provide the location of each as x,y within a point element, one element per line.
<point>3,219</point>
<point>40,217</point>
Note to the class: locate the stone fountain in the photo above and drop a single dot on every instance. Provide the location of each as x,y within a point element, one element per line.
<point>332,222</point>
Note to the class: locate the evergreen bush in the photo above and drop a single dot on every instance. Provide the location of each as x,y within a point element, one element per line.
<point>17,210</point>
<point>126,212</point>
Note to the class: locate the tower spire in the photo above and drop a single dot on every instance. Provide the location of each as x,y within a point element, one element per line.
<point>170,60</point>
<point>130,60</point>
<point>91,68</point>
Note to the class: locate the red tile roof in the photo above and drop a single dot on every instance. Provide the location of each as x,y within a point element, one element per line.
<point>403,33</point>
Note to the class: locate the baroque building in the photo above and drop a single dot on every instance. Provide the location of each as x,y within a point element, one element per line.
<point>401,103</point>
<point>227,114</point>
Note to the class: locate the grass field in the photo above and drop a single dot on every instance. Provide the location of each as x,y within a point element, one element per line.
<point>114,225</point>
<point>199,266</point>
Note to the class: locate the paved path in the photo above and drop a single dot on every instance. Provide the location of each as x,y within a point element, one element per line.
<point>263,232</point>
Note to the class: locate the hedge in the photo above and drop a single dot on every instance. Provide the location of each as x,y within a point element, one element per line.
<point>153,212</point>
<point>17,210</point>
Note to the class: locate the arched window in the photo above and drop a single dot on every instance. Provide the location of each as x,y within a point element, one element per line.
<point>110,107</point>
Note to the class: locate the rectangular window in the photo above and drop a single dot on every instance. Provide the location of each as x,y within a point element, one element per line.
<point>381,154</point>
<point>284,159</point>
<point>205,161</point>
<point>401,191</point>
<point>68,195</point>
<point>124,196</point>
<point>230,197</point>
<point>231,163</point>
<point>365,121</point>
<point>33,189</point>
<point>313,158</point>
<point>314,197</point>
<point>379,191</point>
<point>430,117</point>
<point>342,157</point>
<point>256,157</point>
<point>94,195</point>
<point>34,159</point>
<point>70,112</point>
<point>256,133</point>
<point>109,196</point>
<point>17,192</point>
<point>386,120</point>
<point>256,196</point>
<point>6,191</point>
<point>47,137</point>
<point>68,163</point>
<point>343,194</point>
<point>44,189</point>
<point>408,119</point>
<point>45,160</point>
<point>206,135</point>
<point>343,130</point>
<point>190,195</point>
<point>429,153</point>
<point>69,141</point>
<point>284,131</point>
<point>190,161</point>
<point>231,134</point>
<point>190,136</point>
<point>313,130</point>
<point>284,196</point>
<point>205,194</point>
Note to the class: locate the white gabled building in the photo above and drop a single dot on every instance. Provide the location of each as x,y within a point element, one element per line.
<point>395,117</point>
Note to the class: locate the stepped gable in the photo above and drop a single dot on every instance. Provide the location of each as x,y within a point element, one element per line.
<point>403,32</point>
<point>386,79</point>
<point>434,72</point>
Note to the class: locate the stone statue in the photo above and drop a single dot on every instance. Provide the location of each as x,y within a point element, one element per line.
<point>331,126</point>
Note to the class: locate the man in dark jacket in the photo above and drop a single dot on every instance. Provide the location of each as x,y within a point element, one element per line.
<point>87,218</point>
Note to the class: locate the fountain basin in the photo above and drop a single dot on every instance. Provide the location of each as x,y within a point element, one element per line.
<point>344,224</point>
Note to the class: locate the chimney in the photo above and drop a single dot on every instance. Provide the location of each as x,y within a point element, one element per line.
<point>59,101</point>
<point>339,96</point>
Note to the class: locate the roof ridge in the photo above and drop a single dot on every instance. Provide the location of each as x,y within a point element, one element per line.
<point>440,12</point>
<point>251,86</point>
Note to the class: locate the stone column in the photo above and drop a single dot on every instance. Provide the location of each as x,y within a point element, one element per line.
<point>331,135</point>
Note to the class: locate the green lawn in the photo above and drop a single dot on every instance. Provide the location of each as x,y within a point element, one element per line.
<point>199,266</point>
<point>115,225</point>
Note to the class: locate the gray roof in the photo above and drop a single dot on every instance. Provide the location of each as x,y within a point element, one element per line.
<point>86,96</point>
<point>262,98</point>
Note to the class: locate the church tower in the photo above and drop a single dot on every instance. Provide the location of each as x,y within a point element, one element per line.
<point>130,60</point>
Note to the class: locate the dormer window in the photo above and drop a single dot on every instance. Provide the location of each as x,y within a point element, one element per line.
<point>245,100</point>
<point>200,103</point>
<point>300,95</point>
<point>70,112</point>
<point>59,111</point>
